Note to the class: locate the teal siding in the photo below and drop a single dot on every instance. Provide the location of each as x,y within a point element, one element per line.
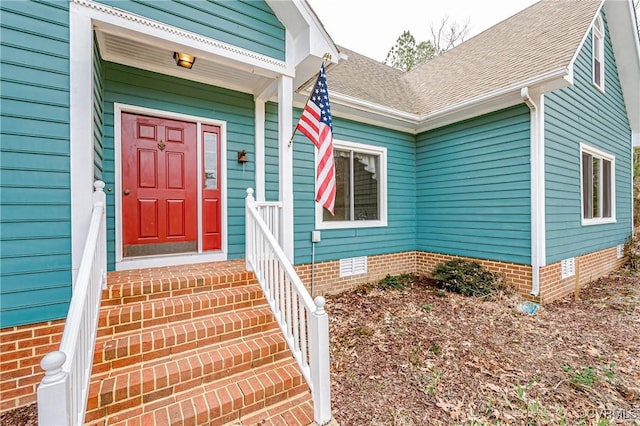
<point>473,188</point>
<point>142,88</point>
<point>97,113</point>
<point>398,236</point>
<point>35,222</point>
<point>583,114</point>
<point>249,24</point>
<point>272,161</point>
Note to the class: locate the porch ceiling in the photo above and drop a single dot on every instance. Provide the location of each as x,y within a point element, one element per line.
<point>149,53</point>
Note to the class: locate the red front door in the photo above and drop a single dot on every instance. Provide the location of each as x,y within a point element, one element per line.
<point>159,186</point>
<point>211,223</point>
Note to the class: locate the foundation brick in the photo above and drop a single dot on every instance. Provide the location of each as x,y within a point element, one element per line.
<point>591,267</point>
<point>22,351</point>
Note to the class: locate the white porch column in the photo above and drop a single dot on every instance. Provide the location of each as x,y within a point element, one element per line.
<point>285,127</point>
<point>81,133</point>
<point>260,149</point>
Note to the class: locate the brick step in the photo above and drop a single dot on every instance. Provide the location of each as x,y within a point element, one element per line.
<point>144,314</point>
<point>174,374</point>
<point>296,411</point>
<point>121,350</point>
<point>216,403</point>
<point>118,292</point>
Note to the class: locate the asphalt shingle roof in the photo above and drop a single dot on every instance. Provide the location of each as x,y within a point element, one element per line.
<point>540,39</point>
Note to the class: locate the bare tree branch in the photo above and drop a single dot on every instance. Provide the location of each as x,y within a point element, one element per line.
<point>407,54</point>
<point>448,34</point>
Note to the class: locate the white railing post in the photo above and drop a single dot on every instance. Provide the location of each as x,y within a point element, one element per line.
<point>54,406</point>
<point>63,393</point>
<point>249,234</point>
<point>319,363</point>
<point>100,197</point>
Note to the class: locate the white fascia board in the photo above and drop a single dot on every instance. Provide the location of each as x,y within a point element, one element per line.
<point>626,48</point>
<point>353,114</point>
<point>498,99</point>
<point>309,40</point>
<point>468,110</point>
<point>585,35</point>
<point>373,108</point>
<point>305,28</point>
<point>350,107</point>
<point>118,21</point>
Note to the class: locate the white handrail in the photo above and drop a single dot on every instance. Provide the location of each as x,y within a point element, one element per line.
<point>303,321</point>
<point>63,392</point>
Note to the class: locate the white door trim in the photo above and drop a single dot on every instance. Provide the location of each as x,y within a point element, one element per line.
<point>166,260</point>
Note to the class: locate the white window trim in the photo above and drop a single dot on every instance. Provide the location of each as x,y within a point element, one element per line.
<point>602,155</point>
<point>382,175</point>
<point>598,37</point>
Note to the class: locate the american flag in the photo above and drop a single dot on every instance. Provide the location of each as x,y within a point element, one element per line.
<point>316,124</point>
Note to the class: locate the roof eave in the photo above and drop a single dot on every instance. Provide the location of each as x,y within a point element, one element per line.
<point>496,100</point>
<point>353,108</point>
<point>307,39</point>
<point>626,48</point>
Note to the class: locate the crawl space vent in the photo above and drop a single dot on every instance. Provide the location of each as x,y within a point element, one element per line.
<point>620,251</point>
<point>353,266</point>
<point>568,267</point>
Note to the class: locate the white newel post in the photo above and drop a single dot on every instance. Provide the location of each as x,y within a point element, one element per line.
<point>248,233</point>
<point>99,197</point>
<point>54,409</point>
<point>319,363</point>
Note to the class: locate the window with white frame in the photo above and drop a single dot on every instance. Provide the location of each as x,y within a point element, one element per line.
<point>361,181</point>
<point>598,53</point>
<point>598,186</point>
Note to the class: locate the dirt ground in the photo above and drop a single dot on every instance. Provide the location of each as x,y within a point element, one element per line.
<point>424,357</point>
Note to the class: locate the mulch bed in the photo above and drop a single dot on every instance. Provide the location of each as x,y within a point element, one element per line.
<point>421,356</point>
<point>23,416</point>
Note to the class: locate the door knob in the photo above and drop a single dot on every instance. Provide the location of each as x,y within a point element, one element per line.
<point>126,192</point>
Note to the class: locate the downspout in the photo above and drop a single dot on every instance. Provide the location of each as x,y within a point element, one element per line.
<point>537,187</point>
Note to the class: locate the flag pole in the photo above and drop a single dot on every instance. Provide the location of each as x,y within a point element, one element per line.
<point>296,128</point>
<point>325,58</point>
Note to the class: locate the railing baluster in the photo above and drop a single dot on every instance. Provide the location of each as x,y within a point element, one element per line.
<point>303,322</point>
<point>303,334</point>
<point>63,393</point>
<point>287,304</point>
<point>295,304</point>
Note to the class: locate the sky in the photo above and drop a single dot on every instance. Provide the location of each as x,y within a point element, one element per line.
<point>371,27</point>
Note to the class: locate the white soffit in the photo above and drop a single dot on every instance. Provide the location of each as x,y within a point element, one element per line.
<point>136,41</point>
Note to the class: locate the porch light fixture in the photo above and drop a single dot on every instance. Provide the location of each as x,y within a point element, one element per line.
<point>242,157</point>
<point>184,60</point>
